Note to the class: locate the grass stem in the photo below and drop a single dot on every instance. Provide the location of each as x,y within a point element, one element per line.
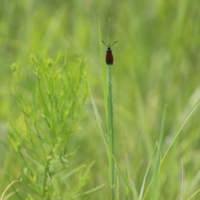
<point>111,131</point>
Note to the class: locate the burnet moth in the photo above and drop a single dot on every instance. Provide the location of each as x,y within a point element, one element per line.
<point>109,55</point>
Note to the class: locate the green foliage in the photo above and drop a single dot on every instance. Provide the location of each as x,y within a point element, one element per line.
<point>51,102</point>
<point>156,62</point>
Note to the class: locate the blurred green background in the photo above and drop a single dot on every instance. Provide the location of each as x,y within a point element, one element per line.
<point>156,63</point>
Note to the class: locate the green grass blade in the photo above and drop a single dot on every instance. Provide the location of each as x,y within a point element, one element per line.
<point>155,183</point>
<point>72,172</point>
<point>89,191</point>
<point>9,187</point>
<point>145,176</point>
<point>182,183</point>
<point>179,131</point>
<point>97,116</point>
<point>195,193</point>
<point>111,131</point>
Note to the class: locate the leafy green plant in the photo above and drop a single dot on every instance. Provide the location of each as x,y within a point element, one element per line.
<point>49,115</point>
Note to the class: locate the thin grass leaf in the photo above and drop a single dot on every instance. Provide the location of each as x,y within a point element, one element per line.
<point>145,176</point>
<point>72,172</point>
<point>117,188</point>
<point>131,191</point>
<point>97,116</point>
<point>182,182</point>
<point>89,191</point>
<point>155,183</point>
<point>123,177</point>
<point>179,131</point>
<point>9,187</point>
<point>195,193</point>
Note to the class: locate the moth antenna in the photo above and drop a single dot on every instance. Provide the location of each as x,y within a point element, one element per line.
<point>113,43</point>
<point>104,43</point>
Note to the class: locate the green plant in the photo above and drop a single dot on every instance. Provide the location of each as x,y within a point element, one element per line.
<point>51,101</point>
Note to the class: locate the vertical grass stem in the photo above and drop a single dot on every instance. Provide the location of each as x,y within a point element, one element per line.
<point>111,131</point>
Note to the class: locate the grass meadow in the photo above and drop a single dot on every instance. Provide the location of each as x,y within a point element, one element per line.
<point>72,127</point>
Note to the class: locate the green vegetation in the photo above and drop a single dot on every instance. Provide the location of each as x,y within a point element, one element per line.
<point>54,117</point>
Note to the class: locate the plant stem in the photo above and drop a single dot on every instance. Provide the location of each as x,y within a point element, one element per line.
<point>111,132</point>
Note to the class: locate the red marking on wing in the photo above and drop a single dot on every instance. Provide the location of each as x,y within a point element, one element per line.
<point>109,58</point>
